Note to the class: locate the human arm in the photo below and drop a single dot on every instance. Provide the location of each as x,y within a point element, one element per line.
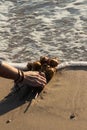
<point>32,78</point>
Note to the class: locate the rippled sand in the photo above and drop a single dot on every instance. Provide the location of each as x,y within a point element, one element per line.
<point>31,28</point>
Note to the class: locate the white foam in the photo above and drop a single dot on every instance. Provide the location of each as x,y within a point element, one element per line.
<point>72,64</point>
<point>54,29</point>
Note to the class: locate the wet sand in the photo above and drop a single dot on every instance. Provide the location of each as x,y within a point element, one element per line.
<point>61,105</point>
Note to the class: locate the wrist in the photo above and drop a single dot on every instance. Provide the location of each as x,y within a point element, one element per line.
<point>20,77</point>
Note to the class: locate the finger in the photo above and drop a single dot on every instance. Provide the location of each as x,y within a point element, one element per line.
<point>42,74</point>
<point>40,84</point>
<point>41,79</point>
<point>38,77</point>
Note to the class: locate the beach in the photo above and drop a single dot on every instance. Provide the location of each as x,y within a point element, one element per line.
<point>61,105</point>
<point>54,28</point>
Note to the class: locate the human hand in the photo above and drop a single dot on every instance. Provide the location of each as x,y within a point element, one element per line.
<point>34,79</point>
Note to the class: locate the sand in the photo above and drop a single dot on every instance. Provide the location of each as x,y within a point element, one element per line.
<point>62,105</point>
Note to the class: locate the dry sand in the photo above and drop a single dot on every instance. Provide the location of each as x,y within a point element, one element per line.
<point>61,106</point>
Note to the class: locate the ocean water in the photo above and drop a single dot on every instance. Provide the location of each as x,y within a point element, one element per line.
<point>32,28</point>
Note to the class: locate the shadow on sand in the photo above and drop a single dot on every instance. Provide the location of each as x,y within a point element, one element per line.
<point>17,98</point>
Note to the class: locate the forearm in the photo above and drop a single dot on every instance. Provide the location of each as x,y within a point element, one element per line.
<point>8,71</point>
<point>33,79</point>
